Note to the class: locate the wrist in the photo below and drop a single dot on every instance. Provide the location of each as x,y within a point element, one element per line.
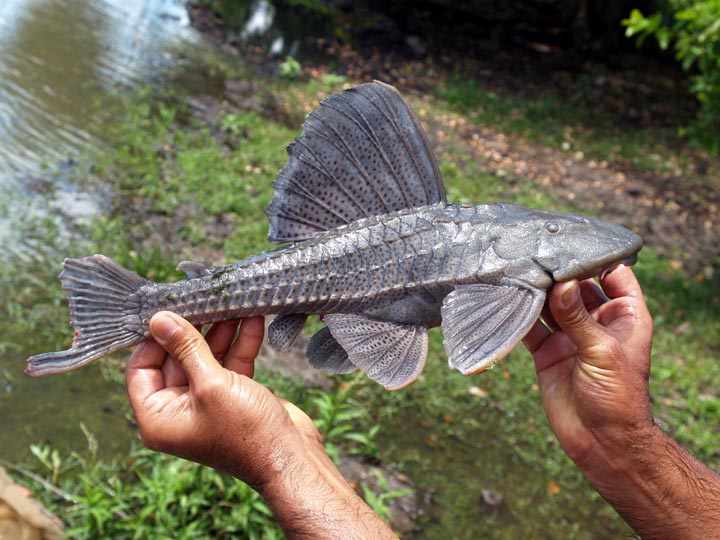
<point>654,484</point>
<point>617,454</point>
<point>310,498</point>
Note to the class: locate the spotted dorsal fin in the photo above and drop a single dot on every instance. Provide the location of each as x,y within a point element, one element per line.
<point>362,153</point>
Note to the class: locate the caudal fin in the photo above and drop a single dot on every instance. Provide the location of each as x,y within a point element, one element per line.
<point>104,311</point>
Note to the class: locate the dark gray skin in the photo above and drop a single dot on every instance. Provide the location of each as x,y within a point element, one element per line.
<point>380,279</point>
<point>401,266</point>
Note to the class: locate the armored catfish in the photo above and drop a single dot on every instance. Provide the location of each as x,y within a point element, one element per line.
<point>374,247</point>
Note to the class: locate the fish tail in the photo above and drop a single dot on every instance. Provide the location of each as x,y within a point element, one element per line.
<point>104,312</point>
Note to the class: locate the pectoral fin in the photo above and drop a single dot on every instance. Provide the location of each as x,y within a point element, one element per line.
<point>325,353</point>
<point>482,323</point>
<point>389,353</point>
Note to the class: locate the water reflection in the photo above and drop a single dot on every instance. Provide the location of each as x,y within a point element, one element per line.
<point>261,28</point>
<point>62,63</point>
<point>60,57</point>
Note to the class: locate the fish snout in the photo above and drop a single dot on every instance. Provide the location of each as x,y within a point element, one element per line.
<point>623,251</point>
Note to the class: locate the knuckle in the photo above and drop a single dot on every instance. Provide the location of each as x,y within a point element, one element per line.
<point>603,348</point>
<point>576,317</point>
<point>182,345</point>
<point>606,350</point>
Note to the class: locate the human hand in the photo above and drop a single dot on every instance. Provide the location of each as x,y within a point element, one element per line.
<point>199,401</point>
<point>593,363</point>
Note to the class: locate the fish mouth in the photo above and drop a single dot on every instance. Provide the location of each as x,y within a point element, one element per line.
<point>627,261</point>
<point>601,270</point>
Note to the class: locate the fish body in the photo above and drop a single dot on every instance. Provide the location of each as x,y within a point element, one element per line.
<point>376,249</point>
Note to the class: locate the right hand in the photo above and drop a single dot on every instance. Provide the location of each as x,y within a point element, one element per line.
<point>196,399</point>
<point>199,402</point>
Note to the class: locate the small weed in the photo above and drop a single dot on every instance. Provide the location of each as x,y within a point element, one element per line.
<point>151,495</point>
<point>290,68</point>
<point>380,502</point>
<point>338,417</point>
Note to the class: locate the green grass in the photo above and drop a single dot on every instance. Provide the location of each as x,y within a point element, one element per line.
<point>453,435</point>
<point>152,495</point>
<point>567,124</point>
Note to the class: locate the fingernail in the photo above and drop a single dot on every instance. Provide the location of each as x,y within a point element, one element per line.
<point>163,326</point>
<point>569,295</point>
<point>609,271</point>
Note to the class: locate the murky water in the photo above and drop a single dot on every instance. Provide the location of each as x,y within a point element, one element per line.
<point>60,56</point>
<point>62,65</point>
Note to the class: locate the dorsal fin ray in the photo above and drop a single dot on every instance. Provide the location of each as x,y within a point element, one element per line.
<point>362,153</point>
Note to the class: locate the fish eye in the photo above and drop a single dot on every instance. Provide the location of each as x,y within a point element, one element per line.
<point>552,228</point>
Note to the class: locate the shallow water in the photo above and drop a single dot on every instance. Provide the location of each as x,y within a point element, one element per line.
<point>63,63</point>
<point>60,57</point>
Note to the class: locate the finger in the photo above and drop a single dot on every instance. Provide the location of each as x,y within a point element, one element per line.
<point>536,336</point>
<point>185,344</point>
<point>556,350</point>
<point>220,336</point>
<point>174,374</point>
<point>548,318</point>
<point>592,295</point>
<point>241,356</point>
<point>573,317</point>
<point>621,281</point>
<point>143,374</point>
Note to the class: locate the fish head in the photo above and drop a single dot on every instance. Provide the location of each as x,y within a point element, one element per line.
<point>570,246</point>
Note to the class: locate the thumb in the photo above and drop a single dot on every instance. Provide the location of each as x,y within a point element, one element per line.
<point>572,316</point>
<point>184,343</point>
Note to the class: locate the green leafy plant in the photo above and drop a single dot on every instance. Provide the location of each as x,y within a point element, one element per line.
<point>692,27</point>
<point>338,418</point>
<point>380,502</point>
<point>290,68</point>
<point>151,495</point>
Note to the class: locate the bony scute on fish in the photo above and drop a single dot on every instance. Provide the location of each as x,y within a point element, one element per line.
<point>375,249</point>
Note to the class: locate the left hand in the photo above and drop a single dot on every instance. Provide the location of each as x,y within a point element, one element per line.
<point>593,364</point>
